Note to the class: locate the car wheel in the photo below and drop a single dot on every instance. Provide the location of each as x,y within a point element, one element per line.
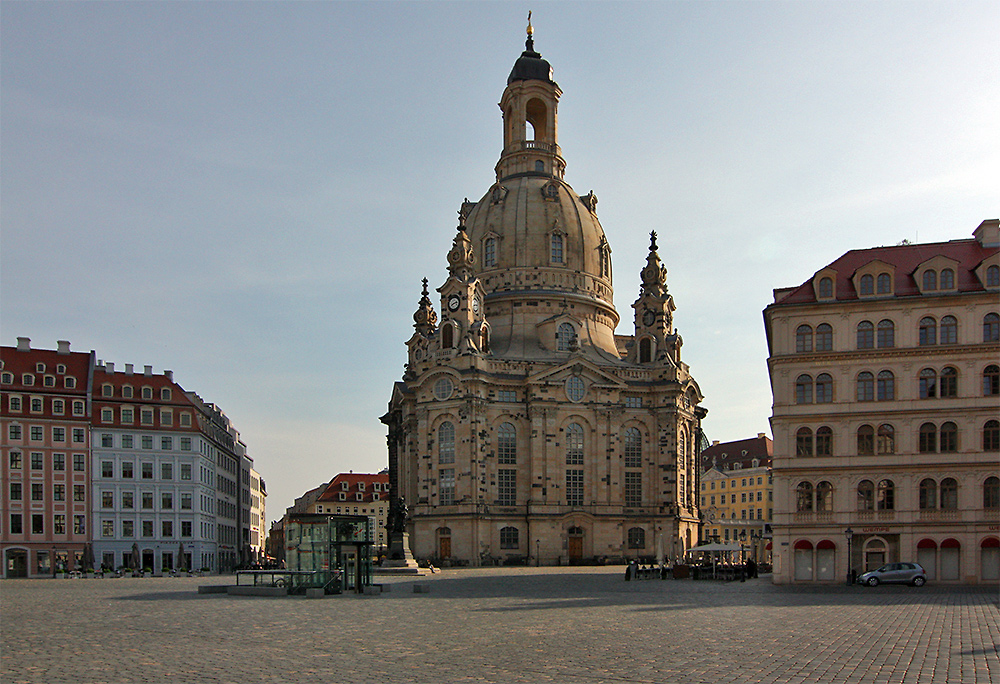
<point>919,581</point>
<point>873,581</point>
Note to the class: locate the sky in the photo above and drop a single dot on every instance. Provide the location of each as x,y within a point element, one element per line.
<point>249,193</point>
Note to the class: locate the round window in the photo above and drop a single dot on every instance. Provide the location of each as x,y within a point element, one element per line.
<point>443,389</point>
<point>575,388</point>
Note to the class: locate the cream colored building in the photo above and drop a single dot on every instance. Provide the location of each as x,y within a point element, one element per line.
<point>524,427</point>
<point>884,372</point>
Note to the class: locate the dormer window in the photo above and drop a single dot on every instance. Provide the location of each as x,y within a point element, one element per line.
<point>993,276</point>
<point>27,379</point>
<point>884,285</point>
<point>361,486</point>
<point>345,486</point>
<point>490,252</point>
<point>107,390</point>
<point>826,288</point>
<point>930,280</point>
<point>565,337</point>
<point>147,392</point>
<point>39,367</point>
<point>165,394</point>
<point>867,285</point>
<point>556,249</point>
<point>947,281</point>
<point>60,369</point>
<point>127,391</point>
<point>341,496</point>
<point>359,496</point>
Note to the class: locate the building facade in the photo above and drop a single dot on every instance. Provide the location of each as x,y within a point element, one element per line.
<point>523,426</point>
<point>884,372</point>
<point>360,494</point>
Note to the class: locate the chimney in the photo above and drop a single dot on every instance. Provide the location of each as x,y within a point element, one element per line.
<point>129,368</point>
<point>169,375</point>
<point>148,370</point>
<point>62,347</point>
<point>111,366</point>
<point>24,344</point>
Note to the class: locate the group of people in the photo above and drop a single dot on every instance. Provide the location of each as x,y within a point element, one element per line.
<point>636,570</point>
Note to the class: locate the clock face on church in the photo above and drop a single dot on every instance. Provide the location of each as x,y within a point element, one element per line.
<point>475,305</point>
<point>649,317</point>
<point>453,302</point>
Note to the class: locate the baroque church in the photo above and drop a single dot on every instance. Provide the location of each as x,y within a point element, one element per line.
<point>524,429</point>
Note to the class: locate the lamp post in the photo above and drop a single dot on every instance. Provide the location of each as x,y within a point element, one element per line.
<point>849,533</point>
<point>538,558</point>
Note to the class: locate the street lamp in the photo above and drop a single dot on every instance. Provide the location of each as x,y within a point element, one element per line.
<point>849,533</point>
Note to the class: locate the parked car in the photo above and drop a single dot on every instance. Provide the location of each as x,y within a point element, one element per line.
<point>895,573</point>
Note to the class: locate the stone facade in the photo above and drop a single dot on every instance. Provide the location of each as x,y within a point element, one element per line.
<point>884,371</point>
<point>524,429</point>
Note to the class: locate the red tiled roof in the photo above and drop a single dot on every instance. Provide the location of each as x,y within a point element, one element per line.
<point>336,487</point>
<point>20,363</point>
<point>728,453</point>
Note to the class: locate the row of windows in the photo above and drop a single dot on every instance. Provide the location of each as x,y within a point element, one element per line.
<point>28,380</point>
<point>882,496</point>
<point>929,332</point>
<point>127,470</point>
<point>127,392</point>
<point>38,524</point>
<point>556,245</point>
<point>882,387</point>
<point>745,497</point>
<point>931,439</point>
<point>146,527</point>
<point>16,461</point>
<point>127,415</point>
<point>146,500</point>
<point>16,403</point>
<point>507,487</point>
<point>37,433</point>
<point>145,442</point>
<point>743,482</point>
<point>931,281</point>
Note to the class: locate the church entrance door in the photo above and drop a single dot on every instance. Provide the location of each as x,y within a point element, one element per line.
<point>575,546</point>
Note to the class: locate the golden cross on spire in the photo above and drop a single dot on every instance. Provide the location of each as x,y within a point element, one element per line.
<point>531,31</point>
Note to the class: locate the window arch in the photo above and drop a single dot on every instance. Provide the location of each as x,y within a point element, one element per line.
<point>886,334</point>
<point>866,495</point>
<point>949,382</point>
<point>506,444</point>
<point>866,335</point>
<point>949,438</point>
<point>636,538</point>
<point>884,283</point>
<point>824,337</point>
<point>927,332</point>
<point>886,440</point>
<point>509,538</point>
<point>447,336</point>
<point>645,350</point>
<point>574,444</point>
<point>824,388</point>
<point>927,383</point>
<point>866,386</point>
<point>991,435</point>
<point>484,339</point>
<point>866,440</point>
<point>991,380</point>
<point>928,494</point>
<point>947,279</point>
<point>930,280</point>
<point>804,389</point>
<point>991,327</point>
<point>886,386</point>
<point>991,492</point>
<point>804,497</point>
<point>556,249</point>
<point>804,442</point>
<point>949,330</point>
<point>928,438</point>
<point>993,276</point>
<point>446,442</point>
<point>824,496</point>
<point>826,288</point>
<point>803,339</point>
<point>633,448</point>
<point>885,495</point>
<point>824,441</point>
<point>565,337</point>
<point>949,494</point>
<point>867,284</point>
<point>490,252</point>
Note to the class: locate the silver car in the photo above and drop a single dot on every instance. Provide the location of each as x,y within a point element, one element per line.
<point>895,573</point>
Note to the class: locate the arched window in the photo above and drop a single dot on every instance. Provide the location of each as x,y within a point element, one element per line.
<point>866,496</point>
<point>884,283</point>
<point>949,494</point>
<point>490,253</point>
<point>565,337</point>
<point>886,440</point>
<point>446,442</point>
<point>928,331</point>
<point>949,438</point>
<point>991,493</point>
<point>949,330</point>
<point>991,380</point>
<point>804,442</point>
<point>886,386</point>
<point>633,448</point>
<point>947,279</point>
<point>484,339</point>
<point>557,249</point>
<point>993,276</point>
<point>930,280</point>
<point>574,444</point>
<point>539,166</point>
<point>928,438</point>
<point>824,337</point>
<point>866,335</point>
<point>824,496</point>
<point>928,495</point>
<point>645,350</point>
<point>509,538</point>
<point>886,334</point>
<point>885,496</point>
<point>928,383</point>
<point>866,386</point>
<point>991,435</point>
<point>866,440</point>
<point>949,382</point>
<point>825,288</point>
<point>447,336</point>
<point>804,497</point>
<point>803,339</point>
<point>991,328</point>
<point>804,389</point>
<point>867,284</point>
<point>636,538</point>
<point>506,444</point>
<point>824,441</point>
<point>824,388</point>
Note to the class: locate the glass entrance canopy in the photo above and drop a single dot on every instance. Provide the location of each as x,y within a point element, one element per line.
<point>331,543</point>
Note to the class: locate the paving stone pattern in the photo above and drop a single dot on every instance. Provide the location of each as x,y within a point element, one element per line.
<point>499,625</point>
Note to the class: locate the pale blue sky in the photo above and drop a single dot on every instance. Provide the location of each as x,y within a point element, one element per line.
<point>249,193</point>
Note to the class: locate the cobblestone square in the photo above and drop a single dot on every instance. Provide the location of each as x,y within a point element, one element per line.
<point>500,625</point>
